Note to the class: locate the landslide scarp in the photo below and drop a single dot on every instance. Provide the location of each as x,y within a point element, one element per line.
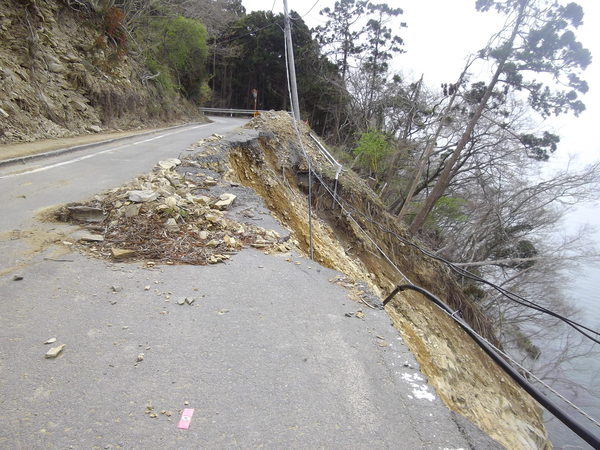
<point>360,239</point>
<point>265,167</point>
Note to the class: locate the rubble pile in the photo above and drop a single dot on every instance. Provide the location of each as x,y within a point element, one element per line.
<point>204,208</point>
<point>170,216</point>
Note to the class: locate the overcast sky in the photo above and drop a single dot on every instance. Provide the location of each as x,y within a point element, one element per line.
<point>442,33</point>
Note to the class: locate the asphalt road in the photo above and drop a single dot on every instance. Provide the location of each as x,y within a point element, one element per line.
<point>266,355</point>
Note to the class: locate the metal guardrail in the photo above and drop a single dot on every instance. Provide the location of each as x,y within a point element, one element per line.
<point>231,111</point>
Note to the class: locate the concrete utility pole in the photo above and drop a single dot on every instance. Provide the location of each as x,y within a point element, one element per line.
<point>292,65</point>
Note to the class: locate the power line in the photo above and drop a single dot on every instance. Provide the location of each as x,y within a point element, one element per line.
<point>295,121</point>
<point>508,294</point>
<point>581,431</point>
<point>453,315</point>
<point>311,8</point>
<point>235,38</point>
<point>490,349</point>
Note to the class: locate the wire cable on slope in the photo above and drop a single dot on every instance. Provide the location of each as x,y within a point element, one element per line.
<point>591,438</point>
<point>465,273</point>
<point>308,162</point>
<point>483,343</point>
<point>452,315</point>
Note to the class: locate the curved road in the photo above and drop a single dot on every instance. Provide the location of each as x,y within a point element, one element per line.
<point>267,355</point>
<point>74,176</point>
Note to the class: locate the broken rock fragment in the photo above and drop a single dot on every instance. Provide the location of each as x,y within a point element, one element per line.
<point>86,213</point>
<point>144,196</point>
<point>88,237</point>
<point>54,351</point>
<point>169,164</point>
<point>225,201</point>
<point>171,225</point>
<point>121,253</point>
<point>132,210</point>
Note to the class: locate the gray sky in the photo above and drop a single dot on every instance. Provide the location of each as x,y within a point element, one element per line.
<point>442,33</point>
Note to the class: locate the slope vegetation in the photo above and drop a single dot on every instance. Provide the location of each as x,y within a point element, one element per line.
<point>60,77</point>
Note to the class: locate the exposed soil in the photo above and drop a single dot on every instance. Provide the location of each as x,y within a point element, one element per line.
<point>60,78</point>
<point>267,160</point>
<point>463,375</point>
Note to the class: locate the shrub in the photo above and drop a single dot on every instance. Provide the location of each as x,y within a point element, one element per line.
<point>372,148</point>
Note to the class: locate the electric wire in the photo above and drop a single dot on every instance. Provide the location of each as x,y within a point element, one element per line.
<point>463,272</point>
<point>580,430</point>
<point>453,316</point>
<point>250,33</point>
<point>349,215</point>
<point>508,294</point>
<point>311,8</point>
<point>536,378</point>
<point>308,162</point>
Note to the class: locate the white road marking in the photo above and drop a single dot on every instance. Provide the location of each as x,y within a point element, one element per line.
<point>81,158</point>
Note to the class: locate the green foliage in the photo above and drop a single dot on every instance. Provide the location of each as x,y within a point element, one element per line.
<point>447,210</point>
<point>382,43</point>
<point>540,147</point>
<point>252,56</point>
<point>371,150</point>
<point>181,49</point>
<point>205,92</point>
<point>164,79</point>
<point>546,44</point>
<point>338,36</point>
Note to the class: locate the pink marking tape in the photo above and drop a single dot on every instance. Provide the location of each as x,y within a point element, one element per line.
<point>186,418</point>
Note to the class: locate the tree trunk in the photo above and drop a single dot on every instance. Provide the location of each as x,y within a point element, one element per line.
<point>444,180</point>
<point>429,148</point>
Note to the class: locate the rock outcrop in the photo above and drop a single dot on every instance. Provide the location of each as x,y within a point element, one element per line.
<point>59,78</point>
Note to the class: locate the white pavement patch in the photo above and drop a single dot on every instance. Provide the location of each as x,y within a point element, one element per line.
<point>81,158</point>
<point>420,390</point>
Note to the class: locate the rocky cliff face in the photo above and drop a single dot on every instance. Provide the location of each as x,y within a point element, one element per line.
<point>59,77</point>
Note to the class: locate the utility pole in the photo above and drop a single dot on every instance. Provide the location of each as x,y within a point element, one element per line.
<point>292,65</point>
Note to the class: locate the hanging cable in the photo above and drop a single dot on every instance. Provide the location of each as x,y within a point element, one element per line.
<point>310,229</point>
<point>582,329</point>
<point>591,438</point>
<point>250,33</point>
<point>551,407</point>
<point>311,8</point>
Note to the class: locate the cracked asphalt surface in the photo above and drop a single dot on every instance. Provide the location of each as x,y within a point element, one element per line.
<point>266,354</point>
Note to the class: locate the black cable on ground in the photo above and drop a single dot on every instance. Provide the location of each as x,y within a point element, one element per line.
<point>465,273</point>
<point>584,433</point>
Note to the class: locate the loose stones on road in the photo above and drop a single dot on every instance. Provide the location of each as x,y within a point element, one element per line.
<point>225,201</point>
<point>86,213</point>
<point>169,164</point>
<point>120,253</point>
<point>54,351</point>
<point>143,196</point>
